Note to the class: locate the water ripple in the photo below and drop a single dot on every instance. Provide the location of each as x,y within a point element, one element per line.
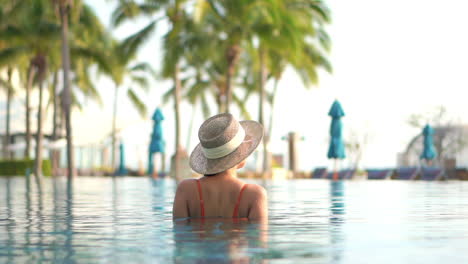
<point>128,220</point>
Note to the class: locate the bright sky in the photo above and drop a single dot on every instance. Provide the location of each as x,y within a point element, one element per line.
<point>391,59</point>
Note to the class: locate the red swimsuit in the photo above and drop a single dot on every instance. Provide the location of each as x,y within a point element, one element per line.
<point>235,214</point>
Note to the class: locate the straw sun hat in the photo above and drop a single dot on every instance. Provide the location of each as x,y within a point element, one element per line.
<point>224,143</point>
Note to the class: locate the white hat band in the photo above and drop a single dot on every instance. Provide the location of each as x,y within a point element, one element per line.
<point>226,149</point>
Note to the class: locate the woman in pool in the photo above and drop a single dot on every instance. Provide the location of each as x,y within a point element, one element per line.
<point>225,143</point>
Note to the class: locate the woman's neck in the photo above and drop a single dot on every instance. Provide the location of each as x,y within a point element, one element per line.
<point>229,174</point>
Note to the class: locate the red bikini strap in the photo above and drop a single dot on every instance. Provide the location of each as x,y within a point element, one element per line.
<point>235,214</point>
<point>202,206</point>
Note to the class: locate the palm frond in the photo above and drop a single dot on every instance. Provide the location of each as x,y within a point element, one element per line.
<point>11,33</point>
<point>133,43</point>
<point>13,12</point>
<point>324,39</point>
<point>137,102</point>
<point>317,57</point>
<point>11,55</point>
<point>76,103</point>
<point>173,51</point>
<point>196,90</point>
<point>125,10</point>
<point>205,106</point>
<point>141,81</point>
<point>6,85</point>
<point>201,8</point>
<point>320,11</point>
<point>242,106</point>
<point>129,10</point>
<point>89,26</point>
<point>144,67</point>
<point>48,32</point>
<point>216,10</point>
<point>167,96</point>
<point>93,55</point>
<point>86,86</point>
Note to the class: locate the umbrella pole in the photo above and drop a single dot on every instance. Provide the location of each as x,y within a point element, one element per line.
<point>335,173</point>
<point>155,167</point>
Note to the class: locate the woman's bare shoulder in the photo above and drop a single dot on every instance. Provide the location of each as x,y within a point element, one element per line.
<point>256,190</point>
<point>258,202</point>
<point>186,184</point>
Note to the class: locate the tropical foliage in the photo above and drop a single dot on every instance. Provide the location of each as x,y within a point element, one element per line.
<point>121,68</point>
<point>220,51</point>
<point>34,44</point>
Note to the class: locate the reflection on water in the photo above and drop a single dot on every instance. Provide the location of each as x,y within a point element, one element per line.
<point>128,220</point>
<point>337,206</point>
<point>219,241</point>
<point>337,217</point>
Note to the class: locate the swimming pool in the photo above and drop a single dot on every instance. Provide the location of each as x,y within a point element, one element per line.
<point>128,220</point>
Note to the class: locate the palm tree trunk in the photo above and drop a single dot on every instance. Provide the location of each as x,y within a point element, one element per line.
<point>31,74</point>
<point>38,158</point>
<point>54,152</point>
<point>64,11</point>
<point>270,123</point>
<point>114,128</point>
<point>219,97</point>
<point>263,79</point>
<point>189,134</point>
<point>8,115</point>
<point>227,92</point>
<point>178,148</point>
<point>194,108</point>
<point>232,56</point>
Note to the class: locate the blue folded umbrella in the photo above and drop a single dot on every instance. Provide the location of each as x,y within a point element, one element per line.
<point>429,152</point>
<point>336,150</point>
<point>157,143</point>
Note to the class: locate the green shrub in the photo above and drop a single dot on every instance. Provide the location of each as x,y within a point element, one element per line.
<point>19,167</point>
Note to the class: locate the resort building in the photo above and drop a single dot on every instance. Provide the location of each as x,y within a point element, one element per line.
<point>451,143</point>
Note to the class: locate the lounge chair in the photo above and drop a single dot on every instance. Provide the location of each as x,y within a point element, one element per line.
<point>407,173</point>
<point>319,173</point>
<point>379,174</point>
<point>432,174</point>
<point>349,174</point>
<point>346,174</point>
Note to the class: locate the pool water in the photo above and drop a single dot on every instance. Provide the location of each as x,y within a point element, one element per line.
<point>128,220</point>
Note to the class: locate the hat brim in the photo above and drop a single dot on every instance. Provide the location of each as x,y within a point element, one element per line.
<point>253,135</point>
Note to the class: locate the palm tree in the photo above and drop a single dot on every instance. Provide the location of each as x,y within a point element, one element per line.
<point>196,53</point>
<point>36,34</point>
<point>234,23</point>
<point>209,77</point>
<point>206,79</point>
<point>302,48</point>
<point>259,33</point>
<point>121,68</point>
<point>7,85</point>
<point>261,38</point>
<point>40,64</point>
<point>64,11</point>
<point>54,154</point>
<point>175,15</point>
<point>8,13</point>
<point>86,22</point>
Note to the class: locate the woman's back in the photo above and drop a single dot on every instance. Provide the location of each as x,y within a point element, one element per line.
<point>218,196</point>
<point>221,198</point>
